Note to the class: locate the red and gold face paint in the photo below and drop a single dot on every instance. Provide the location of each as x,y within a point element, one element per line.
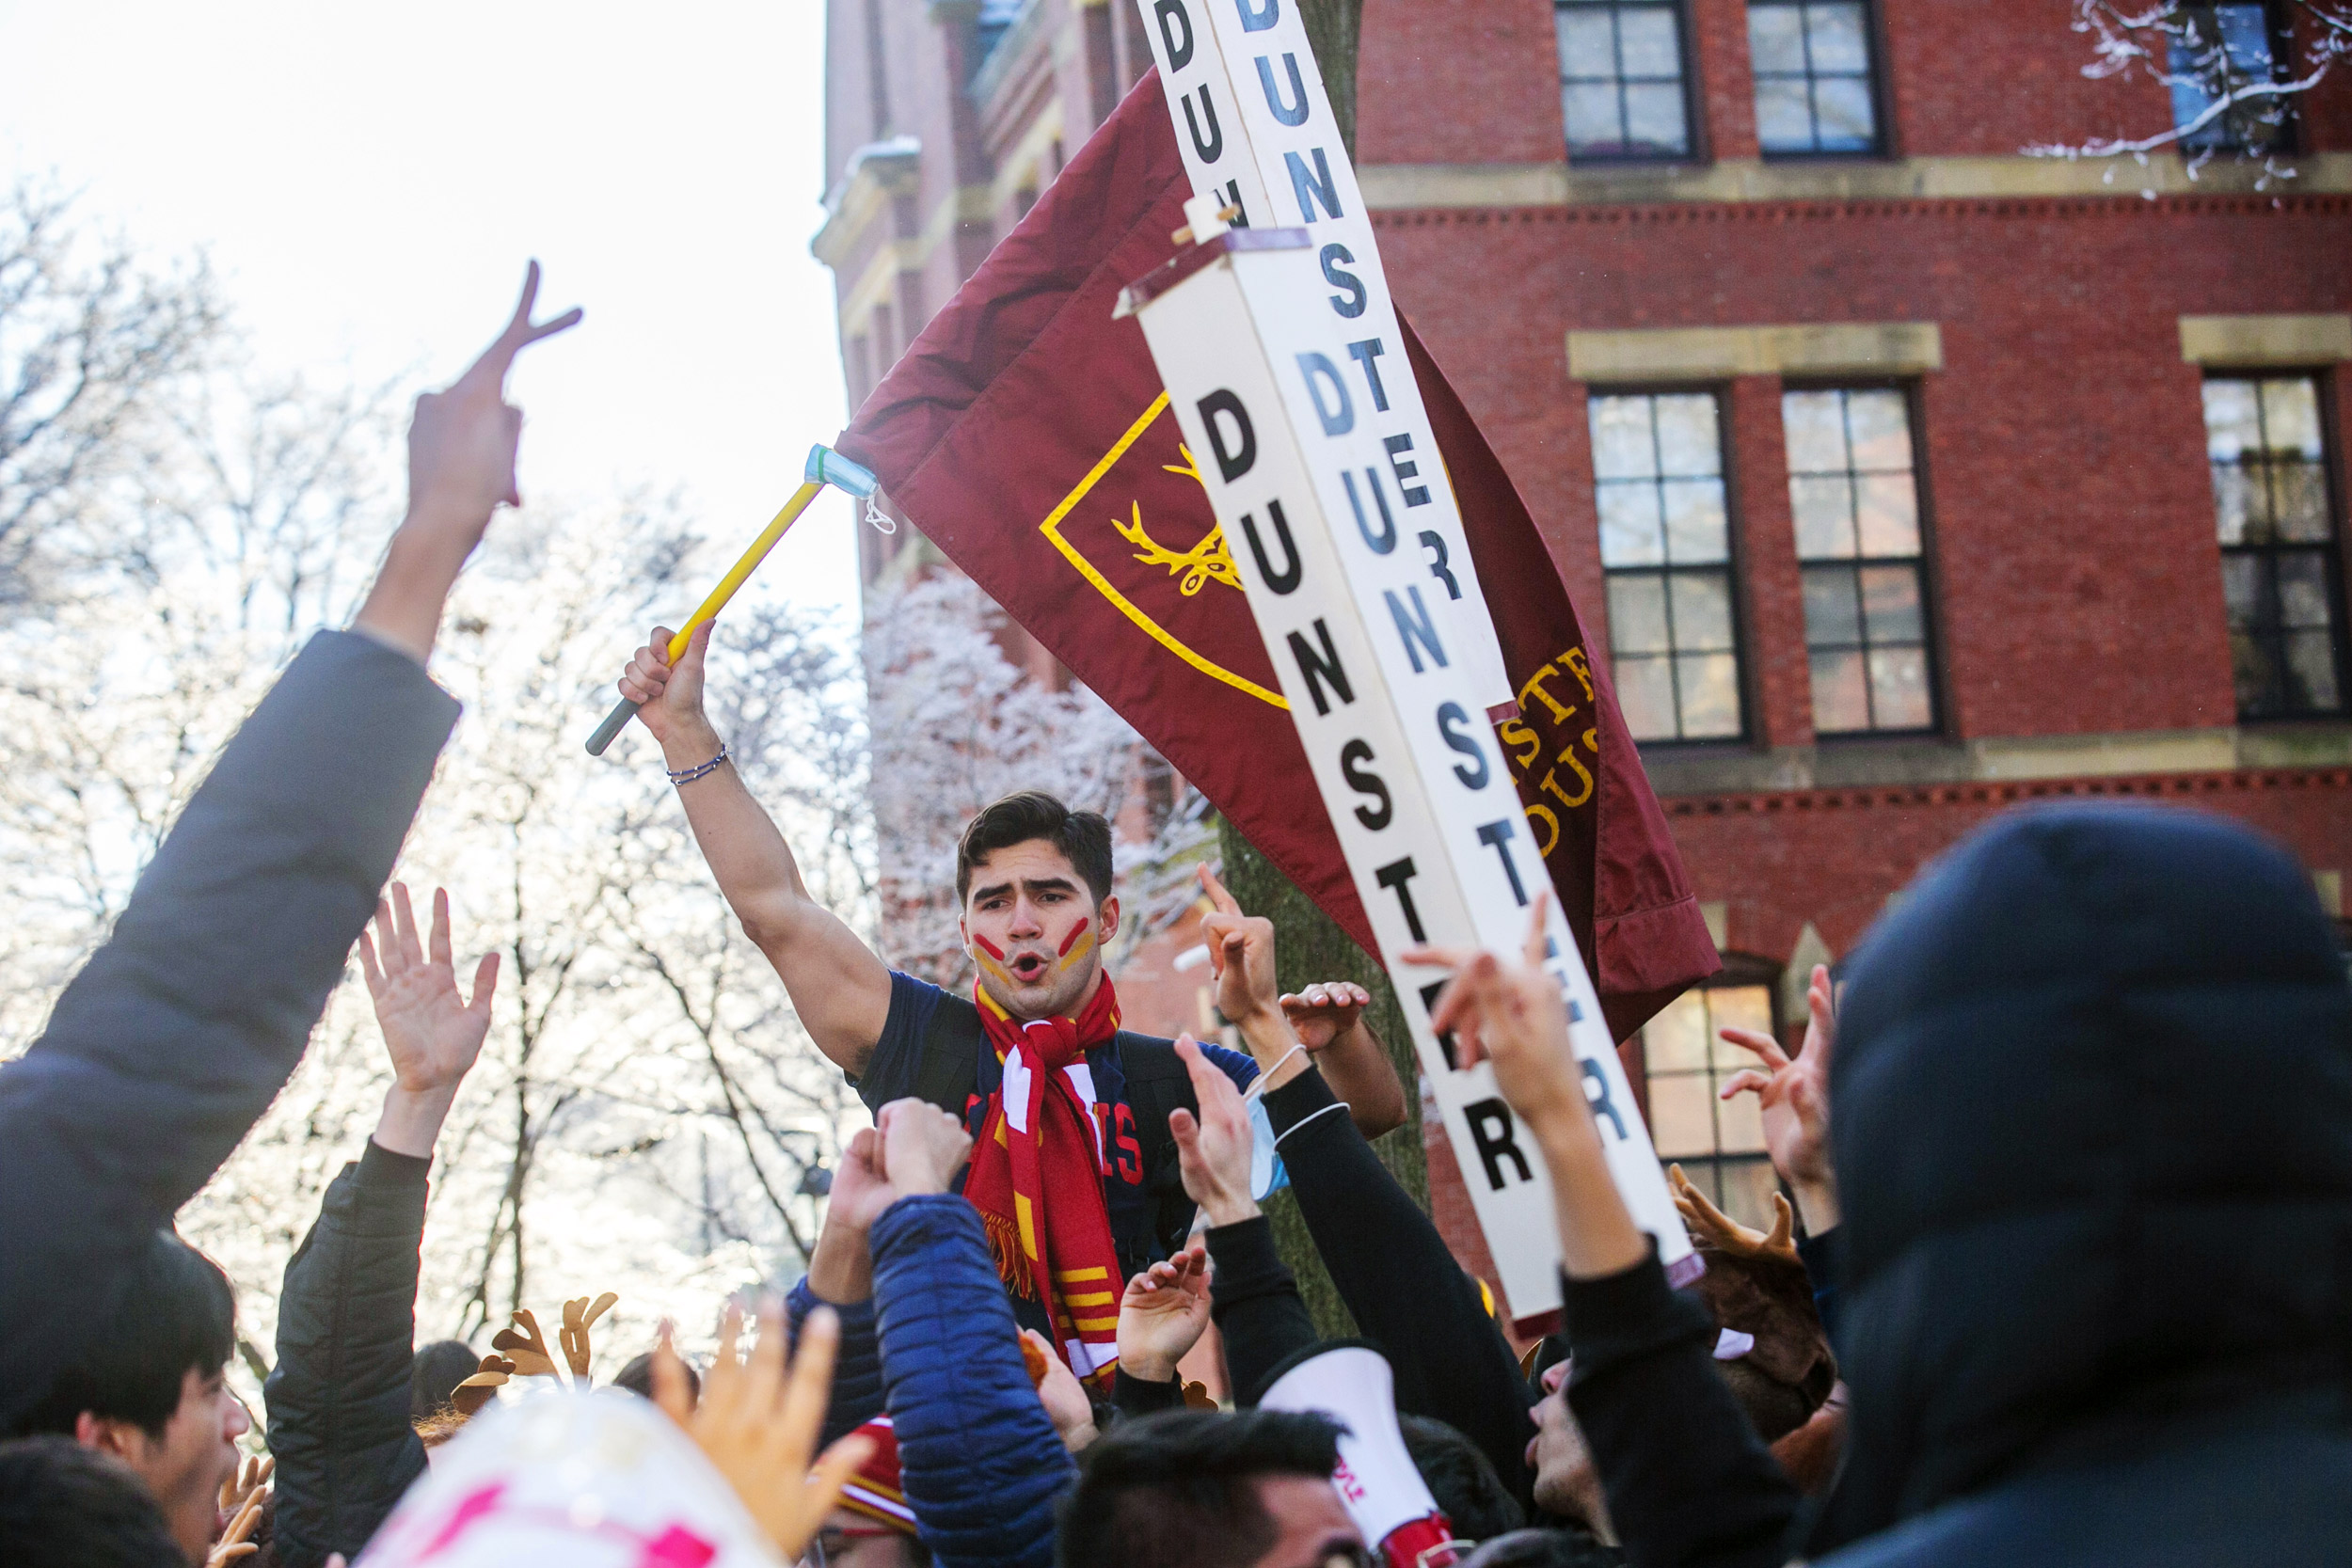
<point>1075,947</point>
<point>991,959</point>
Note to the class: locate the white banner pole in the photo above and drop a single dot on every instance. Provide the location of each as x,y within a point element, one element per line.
<point>1287,443</point>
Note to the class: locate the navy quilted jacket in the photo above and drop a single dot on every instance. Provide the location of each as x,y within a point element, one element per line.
<point>981,1463</point>
<point>857,1374</point>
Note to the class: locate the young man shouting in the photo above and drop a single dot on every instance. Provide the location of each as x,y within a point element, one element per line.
<point>1072,1169</point>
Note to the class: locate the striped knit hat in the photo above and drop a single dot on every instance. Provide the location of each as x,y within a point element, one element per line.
<point>874,1491</point>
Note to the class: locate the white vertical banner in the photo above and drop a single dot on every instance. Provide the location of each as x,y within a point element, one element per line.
<point>1289,441</point>
<point>1254,124</point>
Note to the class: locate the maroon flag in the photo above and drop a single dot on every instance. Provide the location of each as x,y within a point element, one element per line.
<point>1026,433</point>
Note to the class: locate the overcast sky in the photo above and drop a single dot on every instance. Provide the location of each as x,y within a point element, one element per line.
<point>369,179</point>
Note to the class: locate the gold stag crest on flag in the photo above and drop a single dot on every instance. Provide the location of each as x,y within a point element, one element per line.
<point>1136,556</point>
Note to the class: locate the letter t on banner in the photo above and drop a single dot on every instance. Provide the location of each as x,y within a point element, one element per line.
<point>1382,700</point>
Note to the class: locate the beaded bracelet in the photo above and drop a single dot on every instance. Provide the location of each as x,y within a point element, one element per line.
<point>688,775</point>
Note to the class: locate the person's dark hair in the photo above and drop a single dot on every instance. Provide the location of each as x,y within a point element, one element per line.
<point>637,1377</point>
<point>1082,836</point>
<point>1179,1488</point>
<point>1544,1548</point>
<point>1461,1478</point>
<point>65,1506</point>
<point>435,1373</point>
<point>172,1313</point>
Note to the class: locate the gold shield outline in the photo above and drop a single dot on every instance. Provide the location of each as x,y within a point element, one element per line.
<point>1050,528</point>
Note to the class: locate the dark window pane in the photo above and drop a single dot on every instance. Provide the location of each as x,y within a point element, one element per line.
<point>2303,590</point>
<point>1880,423</point>
<point>2299,496</point>
<point>1836,38</point>
<point>1630,534</point>
<point>1776,37</point>
<point>1702,613</point>
<point>1690,437</point>
<point>2241,588</point>
<point>1590,109</point>
<point>1710,696</point>
<point>2227,47</point>
<point>1840,698</point>
<point>1832,616</point>
<point>1784,115</point>
<point>2310,671</point>
<point>1654,118</point>
<point>2241,504</point>
<point>1645,695</point>
<point>1886,510</point>
<point>1624,444</point>
<point>2251,672</point>
<point>1890,604</point>
<point>1898,689</point>
<point>1637,615</point>
<point>1697,532</point>
<point>1841,114</point>
<point>1649,43</point>
<point>1824,505</point>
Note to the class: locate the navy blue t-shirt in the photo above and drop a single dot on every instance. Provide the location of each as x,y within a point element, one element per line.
<point>890,1074</point>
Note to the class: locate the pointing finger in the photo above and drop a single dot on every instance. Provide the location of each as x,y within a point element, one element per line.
<point>1756,1040</point>
<point>1224,901</point>
<point>1538,944</point>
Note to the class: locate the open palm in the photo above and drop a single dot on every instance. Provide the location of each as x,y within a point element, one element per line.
<point>432,1033</point>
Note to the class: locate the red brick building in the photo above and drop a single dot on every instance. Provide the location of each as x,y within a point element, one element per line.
<point>1906,476</point>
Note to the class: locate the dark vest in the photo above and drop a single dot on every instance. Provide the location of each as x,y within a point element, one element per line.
<point>1155,1083</point>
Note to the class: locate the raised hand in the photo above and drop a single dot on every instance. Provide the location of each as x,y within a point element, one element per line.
<point>1212,1149</point>
<point>757,1424</point>
<point>461,465</point>
<point>432,1034</point>
<point>1163,1315</point>
<point>670,696</point>
<point>1323,1012</point>
<point>1513,1016</point>
<point>860,1190</point>
<point>1794,1094</point>
<point>1059,1390</point>
<point>922,1147</point>
<point>1241,955</point>
<point>462,441</point>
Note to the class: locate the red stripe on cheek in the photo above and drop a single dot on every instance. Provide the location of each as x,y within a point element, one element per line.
<point>1072,940</point>
<point>988,947</point>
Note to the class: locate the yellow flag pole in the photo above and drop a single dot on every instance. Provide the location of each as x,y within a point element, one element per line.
<point>825,466</point>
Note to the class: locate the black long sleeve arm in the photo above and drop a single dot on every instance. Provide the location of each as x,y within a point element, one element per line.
<point>1401,1282</point>
<point>1254,1298</point>
<point>346,1334</point>
<point>1689,1484</point>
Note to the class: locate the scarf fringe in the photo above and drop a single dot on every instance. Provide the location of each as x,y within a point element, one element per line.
<point>1003,1244</point>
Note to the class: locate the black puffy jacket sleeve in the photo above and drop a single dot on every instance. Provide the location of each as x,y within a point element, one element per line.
<point>339,1415</point>
<point>175,1036</point>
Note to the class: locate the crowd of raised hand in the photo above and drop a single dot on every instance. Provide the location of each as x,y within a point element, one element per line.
<point>2066,1278</point>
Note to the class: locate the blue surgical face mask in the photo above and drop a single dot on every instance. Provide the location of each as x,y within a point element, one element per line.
<point>1267,1173</point>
